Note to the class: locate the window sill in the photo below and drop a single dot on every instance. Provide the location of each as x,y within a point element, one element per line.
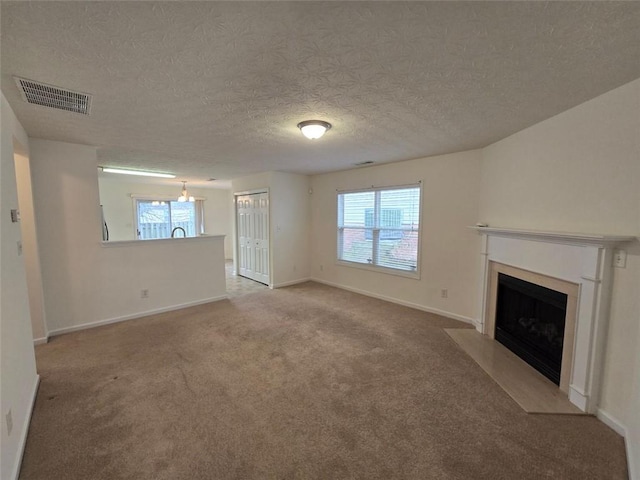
<point>388,271</point>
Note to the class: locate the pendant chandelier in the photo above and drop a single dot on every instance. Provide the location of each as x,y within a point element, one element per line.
<point>185,196</point>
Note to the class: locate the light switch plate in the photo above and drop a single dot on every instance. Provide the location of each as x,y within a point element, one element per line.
<point>15,215</point>
<point>620,258</point>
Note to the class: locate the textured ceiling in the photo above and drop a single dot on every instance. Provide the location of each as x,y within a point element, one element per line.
<point>215,89</point>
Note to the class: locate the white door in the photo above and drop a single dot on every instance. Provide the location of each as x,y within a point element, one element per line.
<point>252,223</point>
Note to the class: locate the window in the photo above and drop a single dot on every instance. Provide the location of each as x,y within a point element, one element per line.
<point>158,218</point>
<point>380,227</point>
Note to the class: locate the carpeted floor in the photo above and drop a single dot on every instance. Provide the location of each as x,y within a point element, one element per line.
<point>305,382</point>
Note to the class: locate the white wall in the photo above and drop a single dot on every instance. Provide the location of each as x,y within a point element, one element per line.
<point>448,248</point>
<point>576,171</point>
<point>85,282</point>
<point>30,248</point>
<point>115,196</point>
<point>580,171</point>
<point>633,427</point>
<point>291,213</point>
<point>17,359</point>
<point>289,223</point>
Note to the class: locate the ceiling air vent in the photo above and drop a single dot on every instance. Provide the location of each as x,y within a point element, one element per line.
<point>367,162</point>
<point>54,97</point>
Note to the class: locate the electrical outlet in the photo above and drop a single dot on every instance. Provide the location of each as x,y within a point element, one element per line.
<point>620,258</point>
<point>144,293</point>
<point>321,268</point>
<point>444,293</point>
<point>9,418</point>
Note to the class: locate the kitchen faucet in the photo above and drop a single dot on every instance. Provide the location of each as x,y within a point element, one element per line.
<point>173,232</point>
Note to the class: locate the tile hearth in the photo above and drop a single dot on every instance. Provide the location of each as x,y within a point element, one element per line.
<point>531,390</point>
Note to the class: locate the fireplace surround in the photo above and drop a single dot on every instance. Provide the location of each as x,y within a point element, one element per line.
<point>569,289</point>
<point>577,265</point>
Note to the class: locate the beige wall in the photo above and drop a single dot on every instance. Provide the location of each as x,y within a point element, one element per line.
<point>30,248</point>
<point>576,171</point>
<point>291,209</point>
<point>449,250</point>
<point>18,376</point>
<point>115,196</point>
<point>633,427</point>
<point>85,282</point>
<point>580,171</point>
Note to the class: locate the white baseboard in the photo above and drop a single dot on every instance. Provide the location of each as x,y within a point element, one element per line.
<point>40,341</point>
<point>633,462</point>
<point>25,430</point>
<point>611,422</point>
<point>580,399</point>
<point>617,426</point>
<point>453,316</point>
<point>133,316</point>
<point>292,282</point>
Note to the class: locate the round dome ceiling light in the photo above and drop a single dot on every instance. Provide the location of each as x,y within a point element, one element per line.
<point>313,129</point>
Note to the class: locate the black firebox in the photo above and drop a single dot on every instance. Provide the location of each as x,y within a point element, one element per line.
<point>530,322</point>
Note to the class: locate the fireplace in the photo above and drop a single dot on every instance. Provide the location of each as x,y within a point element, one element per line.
<point>574,264</point>
<point>534,315</point>
<point>530,321</point>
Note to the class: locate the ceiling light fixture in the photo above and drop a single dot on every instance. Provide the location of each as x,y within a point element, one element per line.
<point>137,172</point>
<point>313,129</point>
<point>185,196</point>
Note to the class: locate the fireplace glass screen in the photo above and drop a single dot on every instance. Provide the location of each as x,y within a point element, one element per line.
<point>530,322</point>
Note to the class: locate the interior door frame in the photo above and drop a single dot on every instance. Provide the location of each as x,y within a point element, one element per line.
<point>236,267</point>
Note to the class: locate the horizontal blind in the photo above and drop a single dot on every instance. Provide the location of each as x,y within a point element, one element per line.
<point>380,227</point>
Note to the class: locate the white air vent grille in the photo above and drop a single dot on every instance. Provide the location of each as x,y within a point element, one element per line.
<point>54,97</point>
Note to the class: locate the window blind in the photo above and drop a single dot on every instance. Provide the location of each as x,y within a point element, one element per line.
<point>380,227</point>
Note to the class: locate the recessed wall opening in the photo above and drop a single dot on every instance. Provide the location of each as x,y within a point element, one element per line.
<point>28,246</point>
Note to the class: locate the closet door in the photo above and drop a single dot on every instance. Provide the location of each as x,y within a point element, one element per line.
<point>252,214</point>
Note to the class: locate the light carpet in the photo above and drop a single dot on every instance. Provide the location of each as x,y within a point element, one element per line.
<point>304,382</point>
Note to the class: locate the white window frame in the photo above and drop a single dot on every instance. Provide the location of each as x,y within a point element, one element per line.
<point>199,206</point>
<point>377,268</point>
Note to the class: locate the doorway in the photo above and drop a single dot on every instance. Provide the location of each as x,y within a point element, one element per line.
<point>29,243</point>
<point>252,232</point>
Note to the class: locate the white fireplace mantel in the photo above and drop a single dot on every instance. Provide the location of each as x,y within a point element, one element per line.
<point>585,239</point>
<point>583,259</point>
